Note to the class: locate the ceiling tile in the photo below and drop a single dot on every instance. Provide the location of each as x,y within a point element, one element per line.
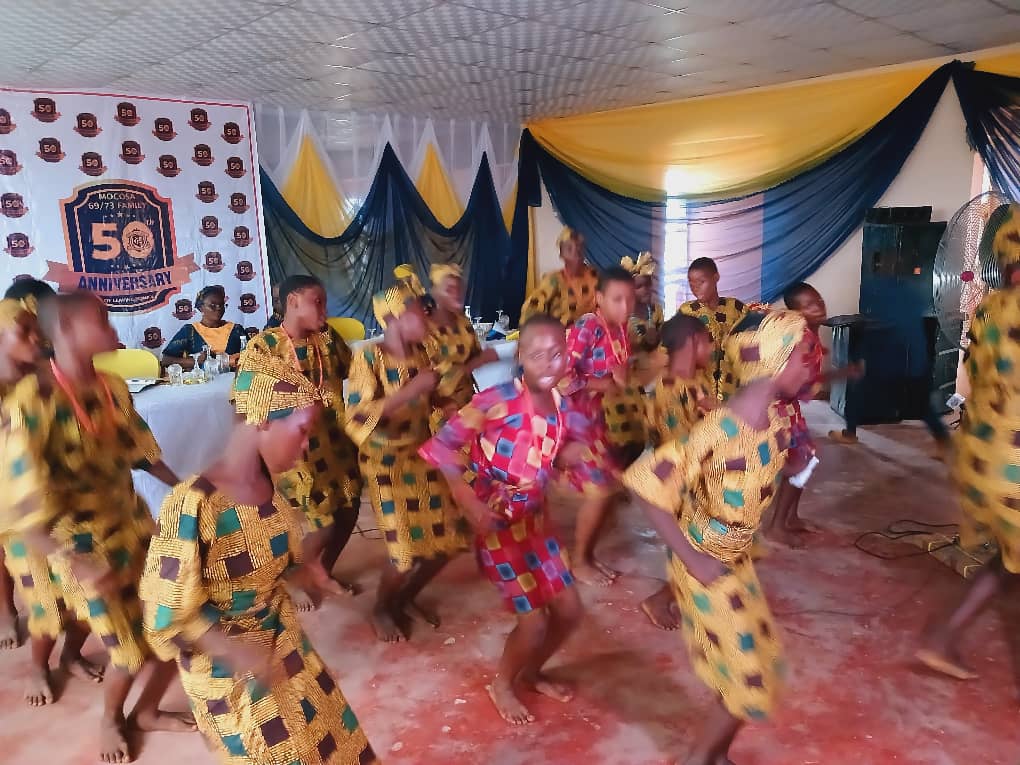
<point>527,35</point>
<point>878,9</point>
<point>293,24</point>
<point>941,13</point>
<point>447,20</point>
<point>741,10</point>
<point>889,49</point>
<point>524,9</point>
<point>370,11</point>
<point>597,16</point>
<point>974,35</point>
<point>663,28</point>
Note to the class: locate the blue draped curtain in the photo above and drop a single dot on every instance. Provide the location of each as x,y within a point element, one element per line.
<point>991,106</point>
<point>394,226</point>
<point>763,242</point>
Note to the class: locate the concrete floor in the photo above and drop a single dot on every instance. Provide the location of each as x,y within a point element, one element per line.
<point>850,621</point>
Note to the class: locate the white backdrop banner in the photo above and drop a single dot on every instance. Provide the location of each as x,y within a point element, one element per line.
<point>140,200</point>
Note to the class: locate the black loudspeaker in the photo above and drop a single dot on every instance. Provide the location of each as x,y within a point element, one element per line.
<point>909,364</point>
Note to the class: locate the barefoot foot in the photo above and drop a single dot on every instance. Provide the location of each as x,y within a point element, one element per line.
<point>303,602</point>
<point>38,692</point>
<point>612,573</point>
<point>113,747</point>
<point>507,704</point>
<point>429,615</point>
<point>83,669</point>
<point>588,574</point>
<point>800,526</point>
<point>349,588</point>
<point>945,662</point>
<point>385,626</point>
<point>543,685</point>
<point>8,630</point>
<point>661,610</point>
<point>174,722</point>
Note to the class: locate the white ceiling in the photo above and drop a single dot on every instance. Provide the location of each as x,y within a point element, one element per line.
<point>496,60</point>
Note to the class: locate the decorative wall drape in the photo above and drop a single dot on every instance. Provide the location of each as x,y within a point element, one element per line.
<point>991,106</point>
<point>392,226</point>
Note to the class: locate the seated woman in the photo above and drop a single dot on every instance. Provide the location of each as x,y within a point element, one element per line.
<point>186,347</point>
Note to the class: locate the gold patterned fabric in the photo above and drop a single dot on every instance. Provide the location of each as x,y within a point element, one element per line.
<point>673,408</point>
<point>37,586</point>
<point>563,297</point>
<point>719,321</point>
<point>643,265</point>
<point>439,271</point>
<point>763,352</point>
<point>10,310</point>
<point>448,349</point>
<point>326,480</point>
<point>718,482</point>
<point>987,464</point>
<point>391,302</point>
<point>216,563</point>
<point>60,475</point>
<point>731,637</point>
<point>1006,244</point>
<point>412,503</point>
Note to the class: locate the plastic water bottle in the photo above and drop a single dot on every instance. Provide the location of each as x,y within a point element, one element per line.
<point>244,342</point>
<point>467,312</point>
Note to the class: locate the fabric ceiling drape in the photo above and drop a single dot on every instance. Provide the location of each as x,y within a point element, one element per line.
<point>991,106</point>
<point>394,226</point>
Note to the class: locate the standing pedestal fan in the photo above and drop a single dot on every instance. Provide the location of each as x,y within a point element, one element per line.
<point>965,267</point>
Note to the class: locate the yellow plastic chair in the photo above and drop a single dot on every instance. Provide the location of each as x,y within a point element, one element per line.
<point>128,363</point>
<point>351,330</point>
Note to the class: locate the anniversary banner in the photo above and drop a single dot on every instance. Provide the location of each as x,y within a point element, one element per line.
<point>141,200</point>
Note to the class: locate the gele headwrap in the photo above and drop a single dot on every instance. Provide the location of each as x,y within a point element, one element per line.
<point>763,351</point>
<point>643,266</point>
<point>440,271</point>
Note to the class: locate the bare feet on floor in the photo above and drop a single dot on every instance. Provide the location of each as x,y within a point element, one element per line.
<point>350,588</point>
<point>83,669</point>
<point>545,686</point>
<point>945,661</point>
<point>303,602</point>
<point>589,574</point>
<point>800,526</point>
<point>427,614</point>
<point>785,537</point>
<point>113,746</point>
<point>507,704</point>
<point>8,630</point>
<point>385,626</point>
<point>38,691</point>
<point>661,610</point>
<point>612,573</point>
<point>174,722</point>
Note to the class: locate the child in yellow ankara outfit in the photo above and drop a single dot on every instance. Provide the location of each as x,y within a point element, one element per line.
<point>387,415</point>
<point>214,589</point>
<point>705,496</point>
<point>33,580</point>
<point>72,438</point>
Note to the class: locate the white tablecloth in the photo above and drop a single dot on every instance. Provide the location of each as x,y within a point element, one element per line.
<point>498,371</point>
<point>191,424</point>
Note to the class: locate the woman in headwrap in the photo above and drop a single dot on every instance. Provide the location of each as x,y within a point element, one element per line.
<point>705,497</point>
<point>451,345</point>
<point>215,597</point>
<point>32,578</point>
<point>389,400</point>
<point>569,293</point>
<point>986,469</point>
<point>185,348</point>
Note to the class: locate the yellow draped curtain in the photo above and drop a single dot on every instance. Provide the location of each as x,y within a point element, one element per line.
<point>312,193</point>
<point>436,189</point>
<point>735,144</point>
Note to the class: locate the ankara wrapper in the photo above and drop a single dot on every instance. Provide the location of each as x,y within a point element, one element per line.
<point>719,321</point>
<point>412,503</point>
<point>448,349</point>
<point>326,480</point>
<point>216,563</point>
<point>510,452</point>
<point>59,475</point>
<point>987,454</point>
<point>562,297</point>
<point>718,482</point>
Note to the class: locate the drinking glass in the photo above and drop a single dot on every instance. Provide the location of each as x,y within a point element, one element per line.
<point>176,374</point>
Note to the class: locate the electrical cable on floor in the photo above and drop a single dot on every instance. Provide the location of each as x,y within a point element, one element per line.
<point>894,534</point>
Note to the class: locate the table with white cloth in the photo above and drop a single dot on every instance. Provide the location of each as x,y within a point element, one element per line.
<point>500,371</point>
<point>191,423</point>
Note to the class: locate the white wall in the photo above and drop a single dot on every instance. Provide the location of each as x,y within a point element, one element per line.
<point>938,173</point>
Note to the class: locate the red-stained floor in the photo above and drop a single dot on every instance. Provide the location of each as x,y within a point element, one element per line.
<point>850,621</point>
